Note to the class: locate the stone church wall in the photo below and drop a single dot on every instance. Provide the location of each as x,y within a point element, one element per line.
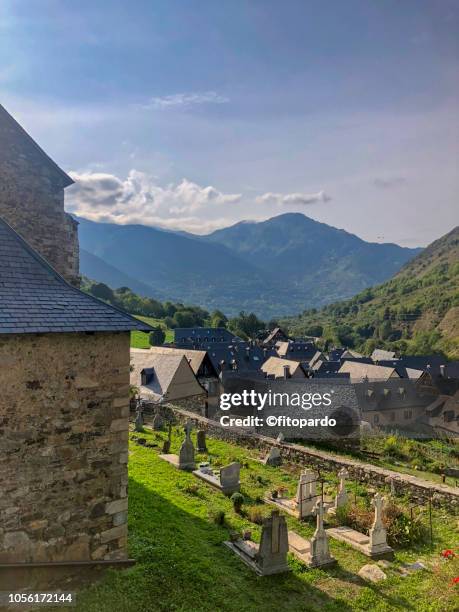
<point>63,447</point>
<point>32,201</point>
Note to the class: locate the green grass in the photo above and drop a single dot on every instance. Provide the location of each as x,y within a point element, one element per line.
<point>140,339</point>
<point>182,564</point>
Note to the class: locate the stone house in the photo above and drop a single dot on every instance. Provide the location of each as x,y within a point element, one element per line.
<point>64,375</point>
<point>162,376</point>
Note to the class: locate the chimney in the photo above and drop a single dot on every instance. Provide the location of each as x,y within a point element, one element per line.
<point>265,352</point>
<point>443,371</point>
<point>286,372</point>
<point>234,364</point>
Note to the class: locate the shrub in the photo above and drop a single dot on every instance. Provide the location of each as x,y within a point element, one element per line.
<point>255,516</point>
<point>238,500</point>
<point>219,517</point>
<point>402,531</point>
<point>192,489</point>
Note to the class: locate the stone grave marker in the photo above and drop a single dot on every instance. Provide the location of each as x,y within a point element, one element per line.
<point>138,424</point>
<point>273,458</point>
<point>270,556</point>
<point>185,459</point>
<point>201,441</point>
<point>304,502</point>
<point>375,544</point>
<point>341,498</point>
<point>158,422</point>
<point>314,552</point>
<point>227,480</point>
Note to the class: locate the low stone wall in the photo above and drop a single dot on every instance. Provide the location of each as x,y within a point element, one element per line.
<point>419,490</point>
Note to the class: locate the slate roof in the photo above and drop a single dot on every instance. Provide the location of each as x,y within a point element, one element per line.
<point>360,371</point>
<point>241,355</point>
<point>194,336</point>
<point>274,366</point>
<point>34,298</point>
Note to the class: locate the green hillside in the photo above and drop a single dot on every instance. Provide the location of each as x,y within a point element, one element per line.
<point>416,312</point>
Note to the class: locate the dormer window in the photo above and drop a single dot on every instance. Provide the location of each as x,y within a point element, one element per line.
<point>147,376</point>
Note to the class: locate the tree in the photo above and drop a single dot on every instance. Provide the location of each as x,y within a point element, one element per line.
<point>157,336</point>
<point>103,292</point>
<point>218,319</point>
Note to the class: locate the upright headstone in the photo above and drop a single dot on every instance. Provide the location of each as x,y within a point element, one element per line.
<point>229,477</point>
<point>306,493</point>
<point>272,552</point>
<point>167,443</point>
<point>273,458</point>
<point>158,422</point>
<point>280,438</point>
<point>319,550</point>
<point>341,498</point>
<point>378,535</point>
<point>186,453</point>
<point>201,441</point>
<point>138,425</point>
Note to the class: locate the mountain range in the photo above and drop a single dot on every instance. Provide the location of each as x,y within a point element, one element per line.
<point>416,311</point>
<point>273,268</point>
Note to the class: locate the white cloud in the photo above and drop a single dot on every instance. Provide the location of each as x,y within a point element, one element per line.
<point>139,199</point>
<point>388,183</point>
<point>293,199</point>
<point>184,100</point>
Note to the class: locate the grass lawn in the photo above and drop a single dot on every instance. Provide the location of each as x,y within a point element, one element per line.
<point>182,564</point>
<point>140,339</point>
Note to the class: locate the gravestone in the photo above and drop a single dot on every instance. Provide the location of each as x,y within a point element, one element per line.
<point>314,552</point>
<point>270,556</point>
<point>186,453</point>
<point>306,493</point>
<point>158,422</point>
<point>201,441</point>
<point>229,477</point>
<point>320,551</point>
<point>341,498</point>
<point>185,459</point>
<point>304,502</point>
<point>138,424</point>
<point>375,544</point>
<point>273,458</point>
<point>280,438</point>
<point>167,443</point>
<point>227,480</point>
<point>378,535</point>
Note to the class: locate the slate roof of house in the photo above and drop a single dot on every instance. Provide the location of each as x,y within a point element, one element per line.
<point>173,377</point>
<point>242,354</point>
<point>297,350</point>
<point>381,354</point>
<point>360,371</point>
<point>194,336</point>
<point>8,119</point>
<point>277,331</point>
<point>274,366</point>
<point>34,298</point>
<point>194,358</point>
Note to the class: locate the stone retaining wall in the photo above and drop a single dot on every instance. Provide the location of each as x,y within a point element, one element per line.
<point>419,490</point>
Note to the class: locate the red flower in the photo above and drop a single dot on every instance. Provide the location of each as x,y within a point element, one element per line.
<point>454,581</point>
<point>448,554</point>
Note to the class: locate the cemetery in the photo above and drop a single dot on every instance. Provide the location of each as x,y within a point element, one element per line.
<point>197,550</point>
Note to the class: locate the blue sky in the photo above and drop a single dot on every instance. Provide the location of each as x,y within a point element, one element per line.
<point>197,114</point>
